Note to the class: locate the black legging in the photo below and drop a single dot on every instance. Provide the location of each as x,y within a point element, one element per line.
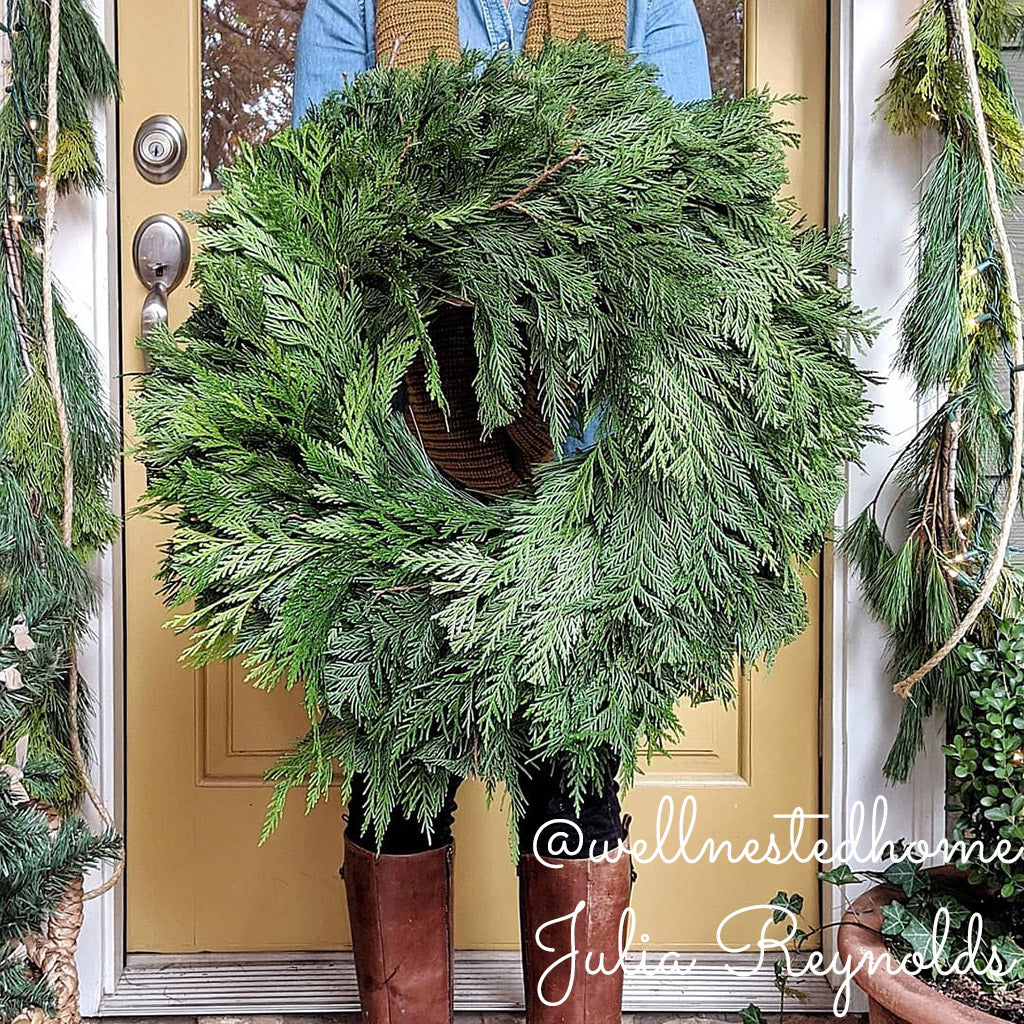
<point>599,819</point>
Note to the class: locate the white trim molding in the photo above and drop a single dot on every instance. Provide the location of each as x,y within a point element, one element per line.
<point>875,185</point>
<point>86,266</point>
<point>876,179</point>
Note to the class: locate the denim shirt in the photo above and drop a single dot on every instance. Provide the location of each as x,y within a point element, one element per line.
<point>337,39</point>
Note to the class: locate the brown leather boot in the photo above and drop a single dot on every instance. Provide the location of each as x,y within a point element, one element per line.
<point>400,910</point>
<point>549,893</point>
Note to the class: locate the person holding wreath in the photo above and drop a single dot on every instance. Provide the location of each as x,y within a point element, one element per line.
<point>399,883</point>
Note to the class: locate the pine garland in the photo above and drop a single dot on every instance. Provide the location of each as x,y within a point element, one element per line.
<point>46,596</point>
<point>922,567</point>
<point>656,282</point>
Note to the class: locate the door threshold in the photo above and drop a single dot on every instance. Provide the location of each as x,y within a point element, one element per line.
<point>154,985</point>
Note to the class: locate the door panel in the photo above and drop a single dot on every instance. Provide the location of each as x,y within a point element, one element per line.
<point>199,742</point>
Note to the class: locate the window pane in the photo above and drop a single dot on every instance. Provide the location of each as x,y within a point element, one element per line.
<point>249,48</point>
<point>727,52</point>
<point>248,51</point>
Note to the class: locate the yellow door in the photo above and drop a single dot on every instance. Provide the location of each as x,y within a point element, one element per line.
<point>198,743</point>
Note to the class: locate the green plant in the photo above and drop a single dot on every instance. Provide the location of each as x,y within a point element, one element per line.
<point>922,550</point>
<point>986,755</point>
<point>39,582</point>
<point>40,858</point>
<point>630,256</point>
<point>46,595</point>
<point>911,924</point>
<point>986,758</point>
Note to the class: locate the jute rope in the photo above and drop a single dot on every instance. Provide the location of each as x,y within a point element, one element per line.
<point>962,23</point>
<point>53,954</point>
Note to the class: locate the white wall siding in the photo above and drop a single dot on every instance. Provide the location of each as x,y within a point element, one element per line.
<point>86,268</point>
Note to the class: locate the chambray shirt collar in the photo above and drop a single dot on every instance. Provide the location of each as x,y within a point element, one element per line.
<point>506,25</point>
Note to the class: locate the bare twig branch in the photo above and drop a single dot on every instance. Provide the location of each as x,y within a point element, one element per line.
<point>574,157</point>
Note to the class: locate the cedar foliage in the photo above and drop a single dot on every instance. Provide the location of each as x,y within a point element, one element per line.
<point>922,556</point>
<point>40,863</point>
<point>655,282</point>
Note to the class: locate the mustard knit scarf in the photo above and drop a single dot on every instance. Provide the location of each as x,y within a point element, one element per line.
<point>409,30</point>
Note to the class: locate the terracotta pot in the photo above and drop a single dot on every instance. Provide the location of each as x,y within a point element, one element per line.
<point>899,998</point>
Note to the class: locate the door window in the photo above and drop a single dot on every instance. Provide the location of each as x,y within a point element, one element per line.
<point>249,50</point>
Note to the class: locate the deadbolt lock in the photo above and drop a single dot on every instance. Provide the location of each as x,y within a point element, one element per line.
<point>160,148</point>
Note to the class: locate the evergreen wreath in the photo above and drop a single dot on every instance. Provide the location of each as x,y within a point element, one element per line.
<point>629,259</point>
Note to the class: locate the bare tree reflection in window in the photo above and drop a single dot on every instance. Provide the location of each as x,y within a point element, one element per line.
<point>724,29</point>
<point>249,50</point>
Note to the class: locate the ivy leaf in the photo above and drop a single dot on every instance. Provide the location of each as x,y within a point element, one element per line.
<point>898,921</point>
<point>958,913</point>
<point>904,875</point>
<point>895,917</point>
<point>784,901</point>
<point>1012,956</point>
<point>782,982</point>
<point>752,1015</point>
<point>841,875</point>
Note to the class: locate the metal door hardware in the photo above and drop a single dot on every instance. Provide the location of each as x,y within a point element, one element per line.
<point>161,252</point>
<point>160,148</point>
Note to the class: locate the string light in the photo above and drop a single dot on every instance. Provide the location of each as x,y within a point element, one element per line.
<point>29,152</point>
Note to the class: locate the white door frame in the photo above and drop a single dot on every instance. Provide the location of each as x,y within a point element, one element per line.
<point>874,185</point>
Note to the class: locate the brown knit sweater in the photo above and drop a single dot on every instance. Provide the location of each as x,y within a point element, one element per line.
<point>408,31</point>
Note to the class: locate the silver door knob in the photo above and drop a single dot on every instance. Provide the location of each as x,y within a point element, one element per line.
<point>161,252</point>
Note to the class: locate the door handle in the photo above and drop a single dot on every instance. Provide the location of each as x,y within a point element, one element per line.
<point>161,252</point>
<point>154,308</point>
